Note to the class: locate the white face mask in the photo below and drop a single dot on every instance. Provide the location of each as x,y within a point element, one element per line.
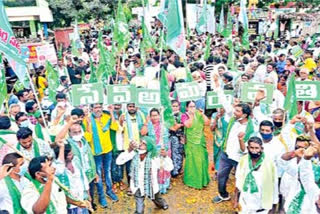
<point>141,152</point>
<point>25,124</point>
<point>77,138</point>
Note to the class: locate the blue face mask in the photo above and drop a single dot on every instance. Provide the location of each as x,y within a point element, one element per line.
<point>266,137</point>
<point>23,170</point>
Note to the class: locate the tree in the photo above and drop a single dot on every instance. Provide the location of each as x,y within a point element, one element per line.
<point>66,11</point>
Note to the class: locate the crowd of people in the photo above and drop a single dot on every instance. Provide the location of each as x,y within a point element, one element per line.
<point>54,156</point>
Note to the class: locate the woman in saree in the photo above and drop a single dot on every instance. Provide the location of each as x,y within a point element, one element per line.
<point>196,172</point>
<point>155,128</point>
<point>219,128</point>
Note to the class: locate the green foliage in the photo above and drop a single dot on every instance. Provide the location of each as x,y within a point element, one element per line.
<point>66,11</point>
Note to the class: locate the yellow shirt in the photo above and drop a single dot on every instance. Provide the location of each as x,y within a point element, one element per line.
<point>135,130</point>
<point>104,137</point>
<point>310,64</point>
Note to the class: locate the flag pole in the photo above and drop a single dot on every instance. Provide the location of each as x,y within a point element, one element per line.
<point>161,52</point>
<point>37,100</point>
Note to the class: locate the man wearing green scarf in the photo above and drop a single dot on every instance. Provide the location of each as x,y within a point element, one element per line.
<point>145,164</point>
<point>302,192</point>
<point>12,185</point>
<point>239,129</point>
<point>31,147</point>
<point>42,194</point>
<point>256,180</point>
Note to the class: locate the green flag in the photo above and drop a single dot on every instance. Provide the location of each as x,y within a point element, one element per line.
<point>162,16</point>
<point>165,100</point>
<point>276,33</point>
<point>313,41</point>
<point>201,26</point>
<point>175,28</point>
<point>290,102</point>
<point>3,84</point>
<point>221,22</point>
<point>18,86</point>
<point>243,19</point>
<point>147,40</point>
<point>121,32</point>
<point>208,48</point>
<point>93,76</point>
<point>10,46</point>
<point>228,30</point>
<point>53,81</point>
<point>189,75</point>
<point>231,64</point>
<point>106,60</point>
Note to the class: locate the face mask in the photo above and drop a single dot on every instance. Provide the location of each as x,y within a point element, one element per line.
<point>45,179</point>
<point>24,124</point>
<point>141,152</point>
<point>23,170</point>
<point>62,104</point>
<point>266,137</point>
<point>254,155</point>
<point>241,118</point>
<point>277,124</point>
<point>77,138</point>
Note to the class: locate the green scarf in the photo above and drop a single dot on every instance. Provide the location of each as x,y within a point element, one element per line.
<point>249,131</point>
<point>148,189</point>
<point>35,147</point>
<point>249,180</point>
<point>296,203</point>
<point>38,130</point>
<point>5,132</point>
<point>90,173</point>
<point>64,179</point>
<point>277,131</point>
<point>51,209</point>
<point>15,196</point>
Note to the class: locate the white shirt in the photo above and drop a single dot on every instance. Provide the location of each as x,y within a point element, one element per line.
<point>156,163</point>
<point>30,195</point>
<point>44,149</point>
<point>78,183</point>
<point>150,72</point>
<point>251,202</point>
<point>233,146</point>
<point>5,197</point>
<point>260,74</point>
<point>274,150</point>
<point>22,106</point>
<point>303,171</point>
<point>274,77</point>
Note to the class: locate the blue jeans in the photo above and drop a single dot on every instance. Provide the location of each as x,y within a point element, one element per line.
<point>102,162</point>
<point>118,170</point>
<point>225,167</point>
<point>78,210</point>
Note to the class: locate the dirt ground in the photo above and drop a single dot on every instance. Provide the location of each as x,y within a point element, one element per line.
<point>181,199</point>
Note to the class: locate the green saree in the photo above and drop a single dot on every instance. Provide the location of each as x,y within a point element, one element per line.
<point>196,173</point>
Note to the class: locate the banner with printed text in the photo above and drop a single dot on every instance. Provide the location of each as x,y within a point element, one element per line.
<point>188,91</point>
<point>120,94</point>
<point>149,98</point>
<point>308,90</point>
<point>83,94</point>
<point>249,92</point>
<point>213,100</point>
